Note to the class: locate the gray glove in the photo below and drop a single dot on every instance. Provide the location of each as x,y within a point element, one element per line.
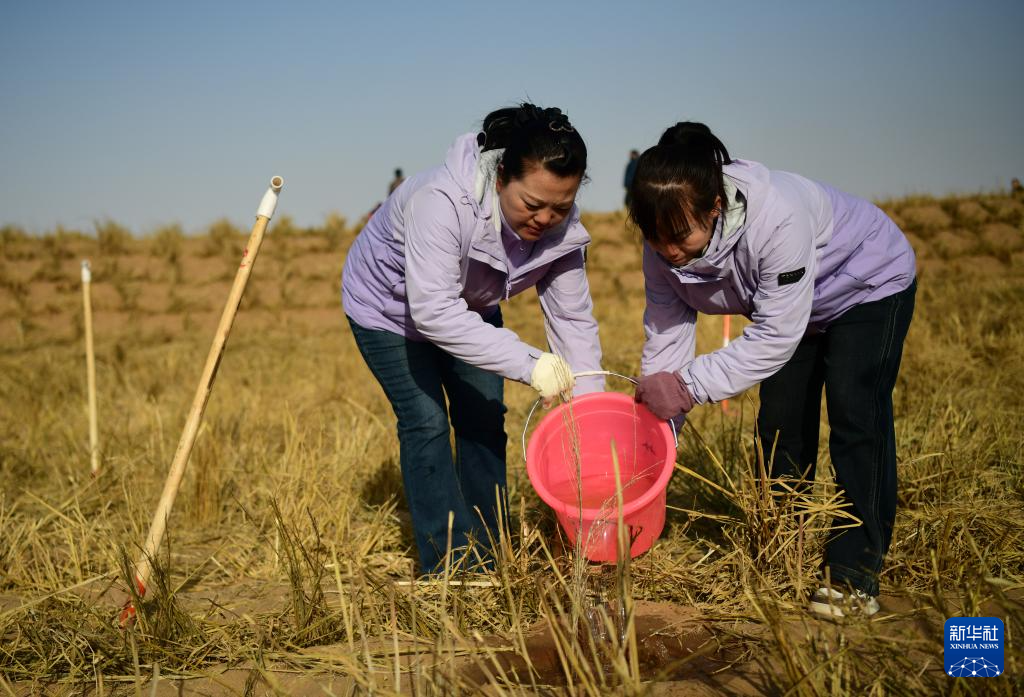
<point>665,394</point>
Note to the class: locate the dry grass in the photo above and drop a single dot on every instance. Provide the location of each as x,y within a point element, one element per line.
<point>288,567</point>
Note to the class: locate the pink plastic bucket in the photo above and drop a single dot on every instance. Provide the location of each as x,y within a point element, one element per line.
<point>646,451</point>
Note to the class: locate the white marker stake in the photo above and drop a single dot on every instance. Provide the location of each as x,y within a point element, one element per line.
<point>90,370</point>
<point>144,567</point>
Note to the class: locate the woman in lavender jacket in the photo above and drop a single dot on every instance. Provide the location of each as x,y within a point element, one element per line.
<point>828,282</point>
<point>421,288</point>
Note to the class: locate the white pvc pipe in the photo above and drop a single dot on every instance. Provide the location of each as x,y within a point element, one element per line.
<point>269,203</point>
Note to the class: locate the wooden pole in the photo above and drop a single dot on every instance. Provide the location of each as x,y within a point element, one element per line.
<point>144,567</point>
<point>90,370</point>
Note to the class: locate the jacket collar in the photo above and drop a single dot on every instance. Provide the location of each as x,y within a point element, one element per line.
<point>716,261</point>
<point>568,236</point>
<point>702,270</point>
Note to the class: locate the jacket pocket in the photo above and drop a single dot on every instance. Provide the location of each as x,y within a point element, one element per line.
<point>849,280</point>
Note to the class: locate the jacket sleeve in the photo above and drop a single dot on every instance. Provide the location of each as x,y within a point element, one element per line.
<point>781,309</point>
<point>569,319</point>
<point>434,289</point>
<point>670,324</point>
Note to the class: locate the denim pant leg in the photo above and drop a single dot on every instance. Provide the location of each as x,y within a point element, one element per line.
<point>862,358</point>
<point>790,414</point>
<point>475,397</point>
<point>410,374</point>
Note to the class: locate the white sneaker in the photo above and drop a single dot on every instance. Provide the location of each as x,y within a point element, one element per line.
<point>828,602</point>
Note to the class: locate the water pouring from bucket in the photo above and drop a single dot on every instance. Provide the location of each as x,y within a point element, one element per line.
<point>570,463</point>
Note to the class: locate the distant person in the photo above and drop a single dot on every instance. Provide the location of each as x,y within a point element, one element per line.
<point>828,283</point>
<point>396,182</point>
<point>421,289</point>
<point>627,178</point>
<point>1016,189</point>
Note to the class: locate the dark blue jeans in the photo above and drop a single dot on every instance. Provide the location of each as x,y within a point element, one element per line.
<point>416,377</point>
<point>856,359</point>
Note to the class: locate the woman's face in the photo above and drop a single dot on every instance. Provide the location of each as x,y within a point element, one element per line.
<point>681,252</point>
<point>537,201</point>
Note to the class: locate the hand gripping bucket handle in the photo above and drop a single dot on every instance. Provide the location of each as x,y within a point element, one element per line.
<point>584,374</point>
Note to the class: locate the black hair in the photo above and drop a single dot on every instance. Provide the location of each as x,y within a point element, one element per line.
<point>534,137</point>
<point>677,182</point>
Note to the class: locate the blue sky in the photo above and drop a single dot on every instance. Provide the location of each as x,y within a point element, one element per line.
<point>152,113</point>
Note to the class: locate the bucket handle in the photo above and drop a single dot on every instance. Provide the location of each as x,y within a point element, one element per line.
<point>584,374</point>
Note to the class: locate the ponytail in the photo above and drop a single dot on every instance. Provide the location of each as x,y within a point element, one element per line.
<point>532,136</point>
<point>677,181</point>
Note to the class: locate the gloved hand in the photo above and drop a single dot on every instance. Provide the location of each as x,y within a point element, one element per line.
<point>665,394</point>
<point>551,377</point>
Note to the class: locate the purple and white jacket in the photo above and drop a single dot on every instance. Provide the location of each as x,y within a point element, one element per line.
<point>430,265</point>
<point>804,254</point>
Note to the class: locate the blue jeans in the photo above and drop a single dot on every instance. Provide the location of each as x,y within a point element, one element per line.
<point>856,359</point>
<point>416,377</point>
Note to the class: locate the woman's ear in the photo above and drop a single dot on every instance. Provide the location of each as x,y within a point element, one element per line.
<point>499,178</point>
<point>717,208</point>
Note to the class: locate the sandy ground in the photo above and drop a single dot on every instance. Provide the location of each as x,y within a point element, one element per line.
<point>680,653</point>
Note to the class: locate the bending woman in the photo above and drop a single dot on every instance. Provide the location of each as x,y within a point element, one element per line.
<point>421,288</point>
<point>827,281</point>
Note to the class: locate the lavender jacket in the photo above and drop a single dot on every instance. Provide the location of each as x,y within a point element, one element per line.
<point>430,266</point>
<point>805,254</point>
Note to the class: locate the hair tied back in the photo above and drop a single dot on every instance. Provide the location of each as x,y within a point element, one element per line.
<point>531,136</point>
<point>558,122</point>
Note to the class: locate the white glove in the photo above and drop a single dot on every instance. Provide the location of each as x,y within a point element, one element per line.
<point>552,376</point>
